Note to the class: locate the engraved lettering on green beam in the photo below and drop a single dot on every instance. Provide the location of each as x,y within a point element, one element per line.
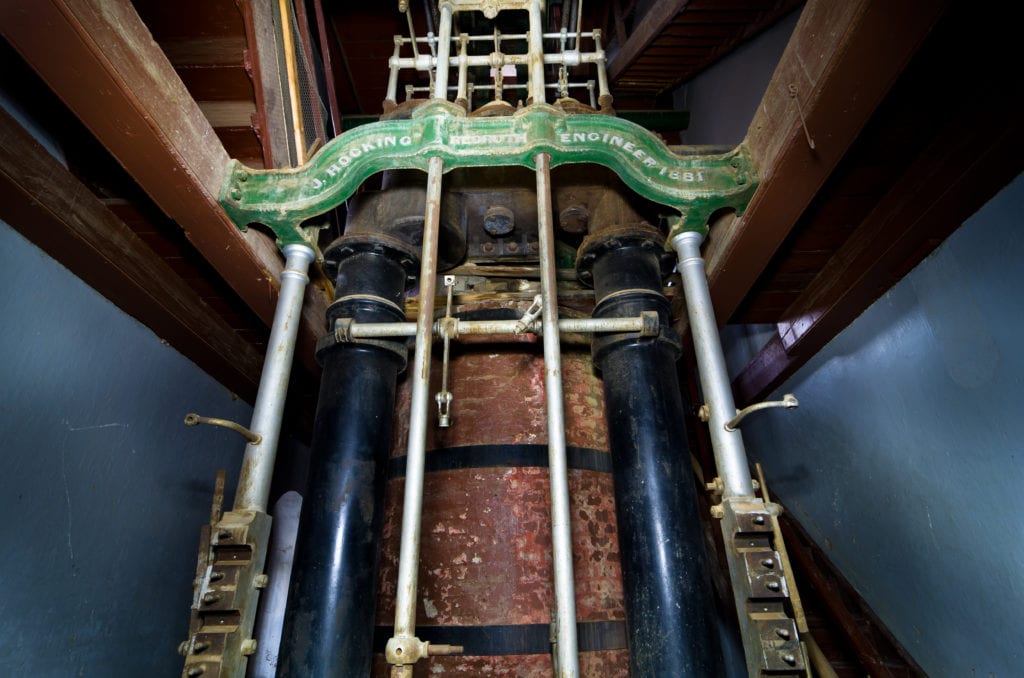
<point>700,184</point>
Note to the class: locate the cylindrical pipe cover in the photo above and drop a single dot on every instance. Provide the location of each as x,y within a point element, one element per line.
<point>328,628</point>
<point>669,608</point>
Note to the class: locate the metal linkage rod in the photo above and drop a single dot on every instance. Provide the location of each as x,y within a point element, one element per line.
<point>424,62</point>
<point>536,62</point>
<point>646,325</point>
<point>566,655</point>
<point>730,455</point>
<point>404,640</point>
<point>444,47</point>
<point>258,463</point>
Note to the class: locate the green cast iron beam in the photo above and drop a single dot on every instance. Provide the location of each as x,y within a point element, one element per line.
<point>695,185</point>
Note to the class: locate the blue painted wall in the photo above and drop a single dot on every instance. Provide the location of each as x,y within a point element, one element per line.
<point>102,489</point>
<point>905,460</point>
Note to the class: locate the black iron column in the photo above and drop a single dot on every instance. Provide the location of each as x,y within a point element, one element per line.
<point>329,621</point>
<point>669,606</point>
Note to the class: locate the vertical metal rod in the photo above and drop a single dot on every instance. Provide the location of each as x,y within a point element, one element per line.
<point>444,47</point>
<point>392,93</point>
<point>536,55</point>
<point>408,559</point>
<point>602,68</point>
<point>463,70</point>
<point>566,657</point>
<point>730,455</point>
<point>258,463</point>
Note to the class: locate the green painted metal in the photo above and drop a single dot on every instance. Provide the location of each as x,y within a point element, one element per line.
<point>694,185</point>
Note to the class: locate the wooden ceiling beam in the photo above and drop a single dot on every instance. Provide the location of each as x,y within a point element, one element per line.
<point>968,161</point>
<point>644,32</point>
<point>841,60</point>
<point>101,60</point>
<point>49,206</point>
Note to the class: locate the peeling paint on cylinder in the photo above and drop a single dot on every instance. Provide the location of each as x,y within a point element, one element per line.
<point>486,535</point>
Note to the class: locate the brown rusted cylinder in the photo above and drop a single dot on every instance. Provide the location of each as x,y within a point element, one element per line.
<point>485,579</point>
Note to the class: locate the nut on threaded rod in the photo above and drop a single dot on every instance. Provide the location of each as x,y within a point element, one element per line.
<point>193,419</point>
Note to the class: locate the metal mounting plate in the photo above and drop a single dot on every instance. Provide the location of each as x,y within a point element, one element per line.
<point>695,185</point>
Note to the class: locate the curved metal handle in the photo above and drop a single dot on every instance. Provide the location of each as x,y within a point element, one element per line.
<point>788,402</point>
<point>193,419</point>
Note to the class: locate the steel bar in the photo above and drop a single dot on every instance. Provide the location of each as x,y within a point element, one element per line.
<point>443,51</point>
<point>462,87</point>
<point>392,93</point>
<point>730,455</point>
<point>566,655</point>
<point>482,88</point>
<point>536,64</point>
<point>504,36</point>
<point>424,62</point>
<point>258,463</point>
<point>602,68</point>
<point>408,563</point>
<point>578,325</point>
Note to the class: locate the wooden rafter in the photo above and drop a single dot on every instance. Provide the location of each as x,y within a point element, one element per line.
<point>842,59</point>
<point>653,23</point>
<point>50,207</point>
<point>101,60</point>
<point>968,161</point>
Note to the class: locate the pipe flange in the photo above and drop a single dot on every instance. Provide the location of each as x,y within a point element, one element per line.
<point>393,248</point>
<point>643,236</point>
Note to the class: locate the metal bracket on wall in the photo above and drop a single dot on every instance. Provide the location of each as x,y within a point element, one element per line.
<point>696,185</point>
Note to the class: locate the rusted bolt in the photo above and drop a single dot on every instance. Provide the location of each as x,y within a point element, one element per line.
<point>248,647</point>
<point>512,247</point>
<point>242,175</point>
<point>236,194</point>
<point>741,180</point>
<point>717,511</point>
<point>196,671</point>
<point>488,247</point>
<point>260,581</point>
<point>200,646</point>
<point>211,598</point>
<point>573,219</point>
<point>183,648</point>
<point>216,575</point>
<point>533,246</point>
<point>499,221</point>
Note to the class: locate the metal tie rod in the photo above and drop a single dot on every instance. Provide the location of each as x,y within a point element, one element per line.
<point>566,654</point>
<point>258,462</point>
<point>403,649</point>
<point>647,324</point>
<point>727,443</point>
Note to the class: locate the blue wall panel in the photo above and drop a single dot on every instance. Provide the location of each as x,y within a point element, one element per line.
<point>904,461</point>
<point>102,488</point>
